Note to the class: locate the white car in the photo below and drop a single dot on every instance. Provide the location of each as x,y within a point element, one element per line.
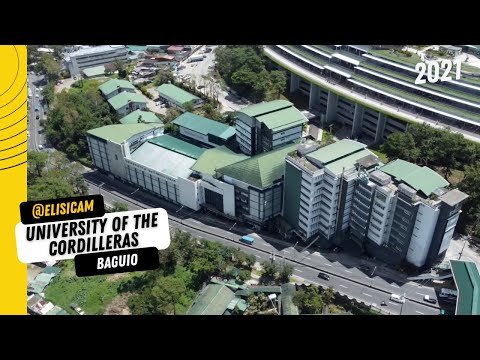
<point>40,147</point>
<point>37,96</point>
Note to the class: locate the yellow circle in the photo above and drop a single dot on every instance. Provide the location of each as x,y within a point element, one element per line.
<point>8,67</point>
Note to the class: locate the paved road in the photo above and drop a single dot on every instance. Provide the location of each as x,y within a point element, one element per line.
<point>348,92</point>
<point>35,137</point>
<point>345,277</point>
<point>197,70</point>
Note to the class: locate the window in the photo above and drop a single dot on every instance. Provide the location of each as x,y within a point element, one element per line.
<point>116,157</point>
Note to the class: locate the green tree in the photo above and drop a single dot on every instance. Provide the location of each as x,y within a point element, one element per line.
<point>49,66</point>
<point>119,206</point>
<point>188,106</point>
<point>285,272</point>
<point>401,146</point>
<point>250,260</point>
<point>309,300</point>
<point>278,80</point>
<point>164,76</point>
<point>471,209</point>
<point>244,275</point>
<point>32,54</point>
<point>269,274</point>
<point>328,295</point>
<point>36,163</point>
<point>167,292</point>
<point>143,303</point>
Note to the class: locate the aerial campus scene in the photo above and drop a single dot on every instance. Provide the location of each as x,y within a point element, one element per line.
<point>298,179</point>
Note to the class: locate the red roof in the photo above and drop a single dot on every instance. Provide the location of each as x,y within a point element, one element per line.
<point>175,48</point>
<point>164,57</point>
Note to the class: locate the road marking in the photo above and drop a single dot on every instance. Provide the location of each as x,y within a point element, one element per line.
<point>327,264</point>
<point>395,285</point>
<point>393,303</point>
<point>419,312</point>
<point>348,271</point>
<point>317,254</point>
<point>421,294</point>
<point>343,286</point>
<point>288,252</point>
<point>264,245</point>
<point>307,258</point>
<point>196,221</point>
<point>257,256</point>
<point>298,270</point>
<point>367,294</point>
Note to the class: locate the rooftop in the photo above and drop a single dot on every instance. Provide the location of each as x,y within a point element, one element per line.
<point>265,108</point>
<point>467,280</point>
<point>215,158</point>
<point>420,178</point>
<point>94,71</point>
<point>163,159</point>
<point>124,98</point>
<point>114,84</point>
<point>179,146</point>
<point>214,300</point>
<point>175,93</point>
<point>96,49</point>
<point>119,133</point>
<point>336,150</point>
<point>453,197</point>
<point>282,119</point>
<point>260,170</point>
<point>147,116</point>
<point>204,126</point>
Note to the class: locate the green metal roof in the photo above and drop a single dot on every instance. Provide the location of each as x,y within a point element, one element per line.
<point>420,178</point>
<point>265,289</point>
<point>147,116</point>
<point>122,99</point>
<point>265,108</point>
<point>336,150</point>
<point>41,282</point>
<point>347,162</point>
<point>216,158</point>
<point>121,132</point>
<point>51,270</point>
<point>179,146</point>
<point>283,119</point>
<point>467,280</point>
<point>288,307</point>
<point>94,71</point>
<point>214,300</point>
<point>114,84</point>
<point>260,170</point>
<point>136,47</point>
<point>204,126</point>
<point>176,94</point>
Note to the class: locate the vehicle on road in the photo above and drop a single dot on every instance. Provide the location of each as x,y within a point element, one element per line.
<point>200,86</point>
<point>448,294</point>
<point>337,249</point>
<point>383,303</point>
<point>40,147</point>
<point>195,58</point>
<point>37,108</point>
<point>323,276</point>
<point>29,92</point>
<point>211,67</point>
<point>37,96</point>
<point>247,240</point>
<point>397,298</point>
<point>429,299</point>
<point>37,117</point>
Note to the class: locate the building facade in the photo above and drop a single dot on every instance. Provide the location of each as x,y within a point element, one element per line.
<point>94,56</point>
<point>268,126</point>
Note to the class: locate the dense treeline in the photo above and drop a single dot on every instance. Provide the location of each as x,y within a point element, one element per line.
<point>184,267</point>
<point>444,151</point>
<point>52,176</point>
<point>73,113</point>
<point>243,68</point>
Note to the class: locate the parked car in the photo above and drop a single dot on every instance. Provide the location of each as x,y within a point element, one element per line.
<point>37,117</point>
<point>430,300</point>
<point>397,298</point>
<point>200,86</point>
<point>324,276</point>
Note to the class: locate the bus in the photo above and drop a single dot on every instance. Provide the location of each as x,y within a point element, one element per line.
<point>448,293</point>
<point>247,240</point>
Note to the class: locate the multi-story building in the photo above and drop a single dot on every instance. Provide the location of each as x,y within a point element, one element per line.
<point>94,56</point>
<point>268,126</point>
<point>114,87</point>
<point>397,212</point>
<point>373,91</point>
<point>206,131</point>
<point>320,183</point>
<point>127,102</point>
<point>178,97</point>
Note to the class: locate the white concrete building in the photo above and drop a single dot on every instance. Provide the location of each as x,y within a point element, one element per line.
<point>94,56</point>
